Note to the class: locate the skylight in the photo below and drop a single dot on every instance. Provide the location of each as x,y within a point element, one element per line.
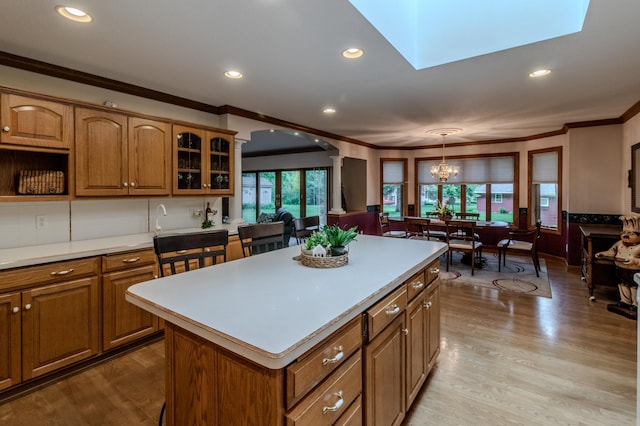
<point>435,32</point>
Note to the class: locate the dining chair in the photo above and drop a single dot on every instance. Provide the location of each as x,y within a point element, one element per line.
<point>469,216</point>
<point>261,237</point>
<point>183,252</point>
<point>303,227</point>
<point>434,215</point>
<point>461,237</point>
<point>419,228</point>
<point>522,242</point>
<point>385,227</point>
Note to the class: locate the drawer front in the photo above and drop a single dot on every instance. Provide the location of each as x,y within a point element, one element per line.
<point>49,273</point>
<point>330,400</point>
<point>353,415</point>
<point>311,369</point>
<point>127,260</point>
<point>385,311</point>
<point>416,284</point>
<point>433,271</point>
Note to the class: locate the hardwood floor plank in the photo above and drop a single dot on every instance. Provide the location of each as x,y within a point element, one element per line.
<point>506,359</point>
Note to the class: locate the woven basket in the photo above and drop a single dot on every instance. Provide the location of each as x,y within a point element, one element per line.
<point>35,182</point>
<point>324,262</point>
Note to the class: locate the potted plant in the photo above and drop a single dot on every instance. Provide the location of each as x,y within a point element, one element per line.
<point>445,212</point>
<point>317,238</point>
<point>339,238</point>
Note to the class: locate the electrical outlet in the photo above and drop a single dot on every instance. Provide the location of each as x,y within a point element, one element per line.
<point>42,222</point>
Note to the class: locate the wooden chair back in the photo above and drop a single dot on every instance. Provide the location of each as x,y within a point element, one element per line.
<point>303,227</point>
<point>462,237</point>
<point>469,216</point>
<point>261,237</point>
<point>385,227</point>
<point>417,227</point>
<point>183,252</point>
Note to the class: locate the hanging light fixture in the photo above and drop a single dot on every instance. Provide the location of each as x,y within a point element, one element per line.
<point>443,170</point>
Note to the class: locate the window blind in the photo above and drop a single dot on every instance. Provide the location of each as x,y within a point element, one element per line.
<point>544,167</point>
<point>472,170</point>
<point>393,172</point>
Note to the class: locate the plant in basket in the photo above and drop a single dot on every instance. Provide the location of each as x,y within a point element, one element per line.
<point>339,238</point>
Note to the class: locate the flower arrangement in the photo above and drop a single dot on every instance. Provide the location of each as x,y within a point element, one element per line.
<point>443,210</point>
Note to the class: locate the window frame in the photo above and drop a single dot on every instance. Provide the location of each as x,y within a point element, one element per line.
<point>530,190</point>
<point>404,203</point>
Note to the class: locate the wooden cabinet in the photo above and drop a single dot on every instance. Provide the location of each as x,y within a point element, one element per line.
<point>123,322</point>
<point>35,134</point>
<point>52,317</point>
<point>384,359</point>
<point>203,161</point>
<point>36,123</point>
<point>404,341</point>
<point>117,155</point>
<point>597,238</point>
<point>10,336</point>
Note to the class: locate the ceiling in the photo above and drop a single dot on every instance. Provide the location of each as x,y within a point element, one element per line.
<point>290,54</point>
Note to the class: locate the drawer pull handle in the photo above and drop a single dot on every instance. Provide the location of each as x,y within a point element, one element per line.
<point>418,285</point>
<point>336,406</point>
<point>427,305</point>
<point>337,357</point>
<point>132,260</point>
<point>435,271</point>
<point>15,310</point>
<point>68,271</point>
<point>181,251</point>
<point>394,310</point>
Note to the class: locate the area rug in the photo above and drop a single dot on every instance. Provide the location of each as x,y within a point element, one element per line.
<point>517,276</point>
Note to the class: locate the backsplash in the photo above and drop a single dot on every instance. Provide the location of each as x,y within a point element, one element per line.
<point>26,224</point>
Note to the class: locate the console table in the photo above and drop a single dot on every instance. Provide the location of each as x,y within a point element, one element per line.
<point>597,238</point>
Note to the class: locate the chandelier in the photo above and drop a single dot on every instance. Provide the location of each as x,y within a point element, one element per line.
<point>443,170</point>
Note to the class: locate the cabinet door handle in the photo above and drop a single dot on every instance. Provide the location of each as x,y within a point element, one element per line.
<point>394,310</point>
<point>56,273</point>
<point>427,305</point>
<point>27,306</point>
<point>405,331</point>
<point>6,129</point>
<point>337,357</point>
<point>336,406</point>
<point>15,310</point>
<point>125,184</point>
<point>417,285</point>
<point>132,260</point>
<point>133,184</point>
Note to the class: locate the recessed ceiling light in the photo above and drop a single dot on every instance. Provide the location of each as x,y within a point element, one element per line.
<point>539,73</point>
<point>352,53</point>
<point>233,74</point>
<point>74,14</point>
<point>329,110</point>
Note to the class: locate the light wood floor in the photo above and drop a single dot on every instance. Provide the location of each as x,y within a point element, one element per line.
<point>505,360</point>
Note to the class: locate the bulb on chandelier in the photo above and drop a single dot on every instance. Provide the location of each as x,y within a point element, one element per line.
<point>443,171</point>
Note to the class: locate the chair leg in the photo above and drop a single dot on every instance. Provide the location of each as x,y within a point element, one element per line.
<point>536,263</point>
<point>473,261</point>
<point>499,256</point>
<point>448,259</point>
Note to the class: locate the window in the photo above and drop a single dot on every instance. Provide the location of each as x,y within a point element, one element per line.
<point>393,178</point>
<point>484,185</point>
<point>545,170</point>
<point>303,192</point>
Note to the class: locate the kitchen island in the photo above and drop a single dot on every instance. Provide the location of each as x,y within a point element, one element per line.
<point>242,337</point>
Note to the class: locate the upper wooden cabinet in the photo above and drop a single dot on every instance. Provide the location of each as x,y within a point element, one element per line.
<point>118,155</point>
<point>34,122</point>
<point>203,161</point>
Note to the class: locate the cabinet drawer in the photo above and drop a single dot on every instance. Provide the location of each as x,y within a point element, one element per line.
<point>416,284</point>
<point>385,311</point>
<point>311,369</point>
<point>49,273</point>
<point>326,404</point>
<point>353,415</point>
<point>127,260</point>
<point>433,271</point>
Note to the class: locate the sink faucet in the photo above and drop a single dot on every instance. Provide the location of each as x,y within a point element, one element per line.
<point>164,211</point>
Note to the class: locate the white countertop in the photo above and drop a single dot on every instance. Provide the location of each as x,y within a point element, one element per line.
<point>44,253</point>
<point>272,309</point>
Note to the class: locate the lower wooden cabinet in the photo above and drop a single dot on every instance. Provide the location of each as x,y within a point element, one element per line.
<point>52,315</point>
<point>123,322</point>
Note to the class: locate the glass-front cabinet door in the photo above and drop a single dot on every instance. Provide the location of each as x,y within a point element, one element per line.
<point>203,161</point>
